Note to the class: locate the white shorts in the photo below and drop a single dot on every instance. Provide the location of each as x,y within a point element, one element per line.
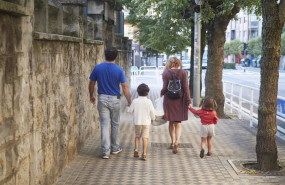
<point>207,130</point>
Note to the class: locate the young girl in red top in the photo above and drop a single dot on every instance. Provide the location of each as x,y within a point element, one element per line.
<point>209,118</point>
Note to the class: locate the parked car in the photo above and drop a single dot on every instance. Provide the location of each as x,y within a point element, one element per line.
<point>245,62</point>
<point>185,64</point>
<point>256,61</point>
<point>204,64</point>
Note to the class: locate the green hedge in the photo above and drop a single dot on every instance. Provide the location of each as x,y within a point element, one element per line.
<point>229,66</point>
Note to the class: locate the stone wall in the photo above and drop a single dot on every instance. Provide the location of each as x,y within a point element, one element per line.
<point>45,113</point>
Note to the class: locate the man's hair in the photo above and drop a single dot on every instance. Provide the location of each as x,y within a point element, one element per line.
<point>111,54</point>
<point>208,103</point>
<point>143,89</point>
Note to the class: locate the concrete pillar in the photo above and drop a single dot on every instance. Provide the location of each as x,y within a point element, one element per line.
<point>55,18</point>
<point>89,28</point>
<point>73,17</point>
<point>118,41</point>
<point>125,44</point>
<point>119,22</point>
<point>41,16</point>
<point>103,15</point>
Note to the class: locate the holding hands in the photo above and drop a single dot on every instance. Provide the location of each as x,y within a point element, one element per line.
<point>92,99</point>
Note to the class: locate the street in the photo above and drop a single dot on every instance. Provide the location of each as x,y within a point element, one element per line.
<point>248,77</point>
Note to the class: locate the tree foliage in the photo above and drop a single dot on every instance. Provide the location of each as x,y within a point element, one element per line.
<point>235,47</point>
<point>163,30</point>
<point>165,25</point>
<point>255,46</point>
<point>227,49</point>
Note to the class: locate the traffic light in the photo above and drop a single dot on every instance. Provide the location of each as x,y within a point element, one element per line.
<point>244,46</point>
<point>244,49</point>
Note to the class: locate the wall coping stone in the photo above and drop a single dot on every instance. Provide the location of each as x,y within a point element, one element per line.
<point>14,9</point>
<point>89,41</point>
<point>73,2</point>
<point>55,37</point>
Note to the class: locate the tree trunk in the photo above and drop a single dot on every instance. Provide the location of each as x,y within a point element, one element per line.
<point>213,79</point>
<point>191,79</point>
<point>266,149</point>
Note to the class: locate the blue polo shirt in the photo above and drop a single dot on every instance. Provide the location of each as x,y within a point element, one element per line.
<point>108,77</point>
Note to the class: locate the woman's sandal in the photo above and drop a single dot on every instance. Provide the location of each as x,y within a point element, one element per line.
<point>175,149</point>
<point>144,157</point>
<point>171,146</point>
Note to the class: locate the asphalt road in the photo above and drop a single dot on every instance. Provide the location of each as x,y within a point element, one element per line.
<point>249,77</point>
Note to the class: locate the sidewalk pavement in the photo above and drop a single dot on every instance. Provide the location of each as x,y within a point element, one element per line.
<point>234,140</point>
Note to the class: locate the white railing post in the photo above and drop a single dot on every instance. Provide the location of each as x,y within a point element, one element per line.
<point>240,102</point>
<point>225,92</point>
<point>232,93</point>
<point>251,107</point>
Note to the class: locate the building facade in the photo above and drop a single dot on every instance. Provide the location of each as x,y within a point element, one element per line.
<point>245,27</point>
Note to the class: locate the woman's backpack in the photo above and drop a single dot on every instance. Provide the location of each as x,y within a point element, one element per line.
<point>174,90</point>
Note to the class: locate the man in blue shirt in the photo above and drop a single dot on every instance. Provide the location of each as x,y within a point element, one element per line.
<point>109,76</point>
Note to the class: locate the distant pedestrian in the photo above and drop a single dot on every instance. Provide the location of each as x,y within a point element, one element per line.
<point>209,119</point>
<point>143,116</point>
<point>175,110</point>
<point>109,77</point>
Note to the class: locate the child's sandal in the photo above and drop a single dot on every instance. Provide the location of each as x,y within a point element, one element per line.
<point>136,153</point>
<point>202,153</point>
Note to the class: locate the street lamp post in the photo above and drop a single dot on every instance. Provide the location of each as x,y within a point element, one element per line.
<point>196,92</point>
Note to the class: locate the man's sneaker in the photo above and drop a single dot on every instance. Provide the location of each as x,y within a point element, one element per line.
<point>202,153</point>
<point>119,149</point>
<point>209,153</point>
<point>104,156</point>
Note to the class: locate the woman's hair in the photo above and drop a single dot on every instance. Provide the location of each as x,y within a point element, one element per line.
<point>173,62</point>
<point>208,103</point>
<point>143,89</point>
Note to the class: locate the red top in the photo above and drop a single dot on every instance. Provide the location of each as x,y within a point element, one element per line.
<point>207,117</point>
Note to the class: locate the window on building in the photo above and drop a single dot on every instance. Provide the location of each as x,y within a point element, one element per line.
<point>253,33</point>
<point>233,34</point>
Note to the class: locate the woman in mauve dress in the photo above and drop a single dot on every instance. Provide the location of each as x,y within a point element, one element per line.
<point>175,110</point>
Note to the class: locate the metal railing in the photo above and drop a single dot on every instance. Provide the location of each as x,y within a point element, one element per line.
<point>243,100</point>
<point>150,74</point>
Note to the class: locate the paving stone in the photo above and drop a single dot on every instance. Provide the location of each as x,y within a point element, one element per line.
<point>234,140</point>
